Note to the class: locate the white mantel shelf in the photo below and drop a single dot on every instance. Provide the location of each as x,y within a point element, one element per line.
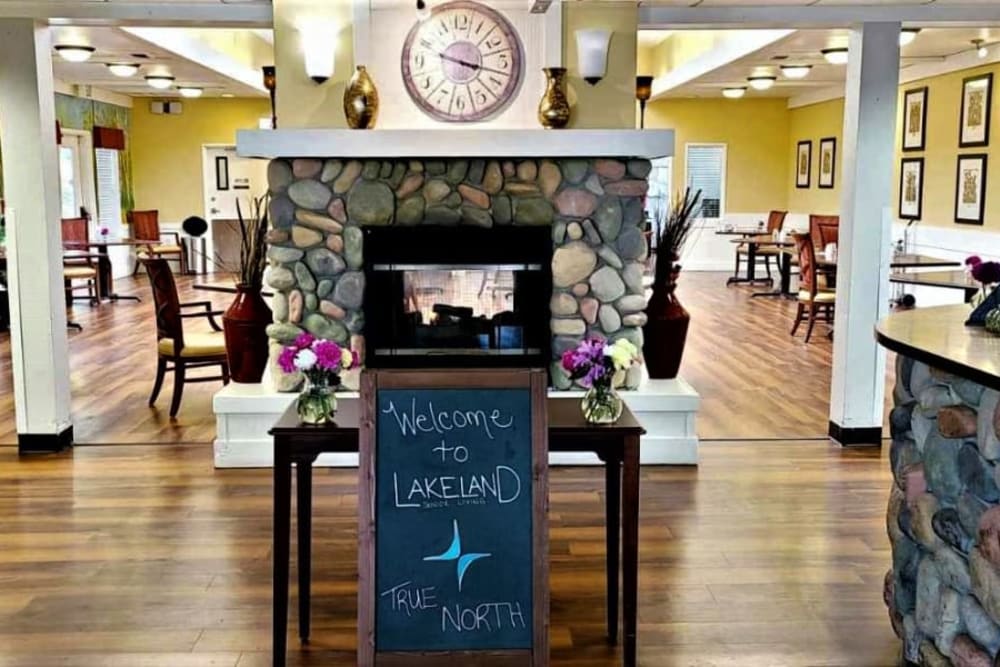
<point>482,143</point>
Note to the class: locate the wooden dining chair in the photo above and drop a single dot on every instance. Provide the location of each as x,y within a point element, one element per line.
<point>78,263</point>
<point>177,350</point>
<point>775,221</point>
<point>812,298</point>
<point>824,229</point>
<point>146,227</point>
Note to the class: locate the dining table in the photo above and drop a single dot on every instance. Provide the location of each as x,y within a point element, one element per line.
<point>105,282</point>
<point>745,234</point>
<point>784,261</point>
<point>227,287</point>
<point>954,279</point>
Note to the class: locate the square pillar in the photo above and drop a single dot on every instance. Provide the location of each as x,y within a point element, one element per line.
<point>39,347</point>
<point>858,384</point>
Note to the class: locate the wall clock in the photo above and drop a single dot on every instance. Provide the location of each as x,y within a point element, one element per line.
<point>463,63</point>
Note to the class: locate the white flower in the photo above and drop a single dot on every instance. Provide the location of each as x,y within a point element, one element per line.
<point>346,358</point>
<point>305,360</point>
<point>622,353</point>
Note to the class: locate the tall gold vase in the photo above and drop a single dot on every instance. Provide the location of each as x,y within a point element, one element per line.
<point>553,110</point>
<point>361,101</point>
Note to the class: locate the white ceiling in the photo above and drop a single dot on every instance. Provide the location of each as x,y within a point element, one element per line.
<point>808,3</point>
<point>116,46</point>
<point>804,46</point>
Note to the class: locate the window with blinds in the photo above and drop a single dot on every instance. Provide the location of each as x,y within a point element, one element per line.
<point>109,200</point>
<point>706,171</point>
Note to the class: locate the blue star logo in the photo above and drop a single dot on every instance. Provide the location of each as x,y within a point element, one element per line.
<point>454,552</point>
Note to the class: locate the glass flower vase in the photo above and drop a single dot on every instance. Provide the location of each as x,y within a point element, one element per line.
<point>317,404</point>
<point>601,405</point>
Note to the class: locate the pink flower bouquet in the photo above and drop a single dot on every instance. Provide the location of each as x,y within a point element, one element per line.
<point>321,361</point>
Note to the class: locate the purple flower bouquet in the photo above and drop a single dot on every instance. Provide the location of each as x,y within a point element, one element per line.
<point>321,362</point>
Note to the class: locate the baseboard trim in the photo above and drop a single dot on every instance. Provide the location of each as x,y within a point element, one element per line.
<point>45,443</point>
<point>869,436</point>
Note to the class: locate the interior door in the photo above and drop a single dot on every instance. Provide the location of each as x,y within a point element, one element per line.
<point>228,178</point>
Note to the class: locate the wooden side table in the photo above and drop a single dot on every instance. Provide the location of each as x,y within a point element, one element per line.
<point>617,445</point>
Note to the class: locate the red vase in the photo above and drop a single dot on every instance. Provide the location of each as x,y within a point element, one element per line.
<point>245,326</point>
<point>665,332</point>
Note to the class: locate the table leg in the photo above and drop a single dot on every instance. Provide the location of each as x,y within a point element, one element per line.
<point>280,554</point>
<point>785,269</point>
<point>630,547</point>
<point>303,486</point>
<point>612,518</point>
<point>751,262</point>
<point>108,288</point>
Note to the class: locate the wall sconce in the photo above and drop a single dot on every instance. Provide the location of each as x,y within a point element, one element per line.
<point>643,91</point>
<point>319,44</point>
<point>592,53</point>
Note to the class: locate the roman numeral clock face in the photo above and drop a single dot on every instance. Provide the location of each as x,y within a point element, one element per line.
<point>464,63</point>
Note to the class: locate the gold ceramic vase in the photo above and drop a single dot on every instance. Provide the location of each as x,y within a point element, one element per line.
<point>361,101</point>
<point>553,110</point>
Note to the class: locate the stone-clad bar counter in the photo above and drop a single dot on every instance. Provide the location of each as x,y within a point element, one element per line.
<point>943,520</point>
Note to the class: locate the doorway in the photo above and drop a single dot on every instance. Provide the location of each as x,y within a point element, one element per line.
<point>228,179</point>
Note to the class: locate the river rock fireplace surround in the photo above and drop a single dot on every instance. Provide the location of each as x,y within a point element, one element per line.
<point>585,187</point>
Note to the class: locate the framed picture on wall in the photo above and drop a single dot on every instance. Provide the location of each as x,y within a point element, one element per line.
<point>827,162</point>
<point>915,119</point>
<point>970,189</point>
<point>911,188</point>
<point>977,101</point>
<point>803,161</point>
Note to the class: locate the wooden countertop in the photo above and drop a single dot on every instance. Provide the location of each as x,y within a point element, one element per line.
<point>938,336</point>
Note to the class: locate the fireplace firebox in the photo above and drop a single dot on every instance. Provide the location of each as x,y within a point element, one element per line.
<point>440,296</point>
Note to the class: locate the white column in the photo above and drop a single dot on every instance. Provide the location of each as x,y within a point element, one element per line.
<point>39,346</point>
<point>858,385</point>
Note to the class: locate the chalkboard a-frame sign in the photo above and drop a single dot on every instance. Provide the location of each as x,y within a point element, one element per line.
<point>452,512</point>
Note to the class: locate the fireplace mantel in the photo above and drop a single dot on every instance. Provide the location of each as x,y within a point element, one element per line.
<point>305,143</point>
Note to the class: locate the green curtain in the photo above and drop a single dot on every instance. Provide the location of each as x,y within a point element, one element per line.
<point>77,113</point>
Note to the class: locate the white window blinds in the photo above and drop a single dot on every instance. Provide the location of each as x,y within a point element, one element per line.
<point>706,166</point>
<point>109,199</point>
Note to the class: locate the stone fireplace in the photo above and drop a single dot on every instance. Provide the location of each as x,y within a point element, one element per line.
<point>593,208</point>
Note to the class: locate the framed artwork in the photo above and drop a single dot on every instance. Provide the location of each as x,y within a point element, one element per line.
<point>970,189</point>
<point>803,161</point>
<point>911,188</point>
<point>915,119</point>
<point>222,173</point>
<point>977,101</point>
<point>827,162</point>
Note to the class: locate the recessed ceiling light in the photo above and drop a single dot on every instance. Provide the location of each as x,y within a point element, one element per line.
<point>159,81</point>
<point>123,70</point>
<point>796,71</point>
<point>761,82</point>
<point>75,53</point>
<point>734,93</point>
<point>836,56</point>
<point>189,91</point>
<point>228,95</point>
<point>907,35</point>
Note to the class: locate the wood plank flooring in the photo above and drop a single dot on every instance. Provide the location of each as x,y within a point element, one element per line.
<point>767,555</point>
<point>756,381</point>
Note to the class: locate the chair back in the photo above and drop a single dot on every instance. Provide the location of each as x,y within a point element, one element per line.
<point>165,302</point>
<point>145,225</point>
<point>824,229</point>
<point>775,221</point>
<point>75,233</point>
<point>806,252</point>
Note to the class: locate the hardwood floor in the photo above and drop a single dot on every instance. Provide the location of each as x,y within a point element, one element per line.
<point>767,555</point>
<point>756,381</point>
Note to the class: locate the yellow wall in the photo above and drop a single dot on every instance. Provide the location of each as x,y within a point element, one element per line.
<point>300,101</point>
<point>755,132</point>
<point>944,100</point>
<point>812,123</point>
<point>611,103</point>
<point>166,150</point>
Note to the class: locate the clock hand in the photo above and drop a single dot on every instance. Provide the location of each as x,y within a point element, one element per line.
<point>470,65</point>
